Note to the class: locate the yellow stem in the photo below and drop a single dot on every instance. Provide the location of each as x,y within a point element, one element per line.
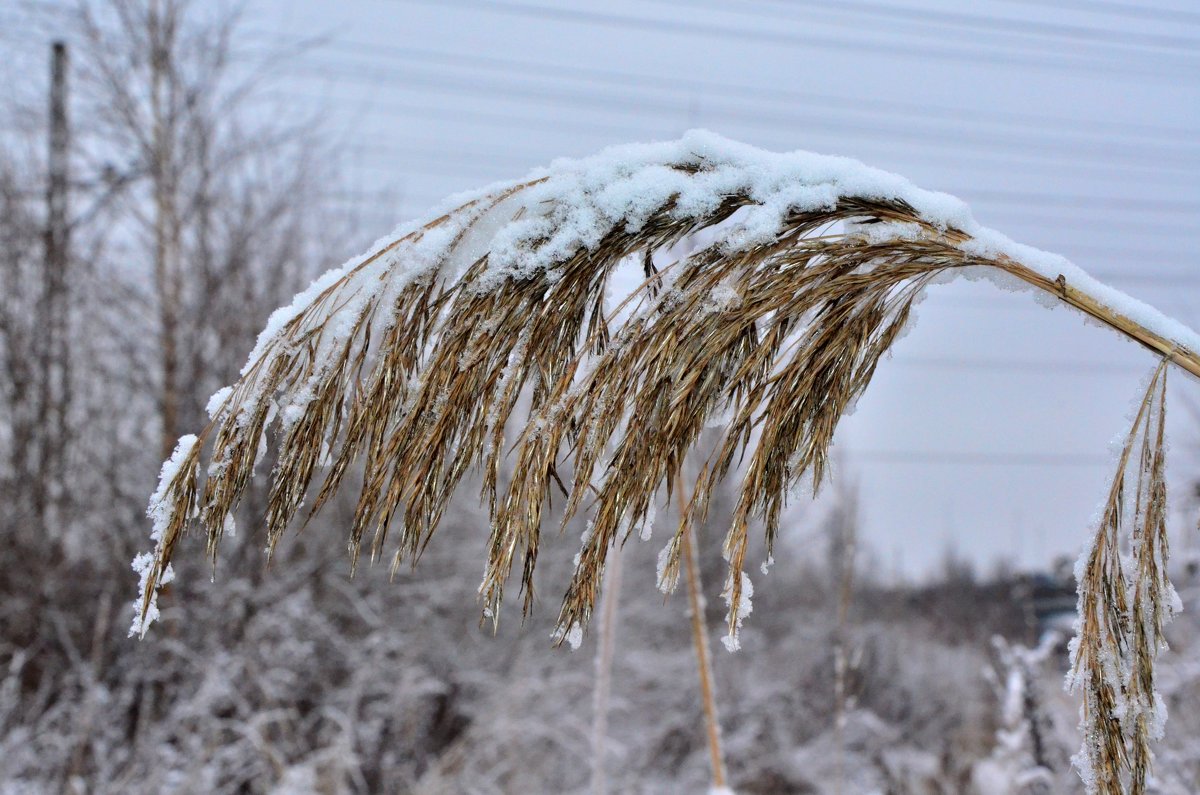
<point>700,640</point>
<point>1069,294</point>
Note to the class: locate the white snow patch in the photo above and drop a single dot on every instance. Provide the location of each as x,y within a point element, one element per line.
<point>160,508</point>
<point>142,564</point>
<point>666,581</point>
<point>217,401</point>
<point>161,512</point>
<point>573,636</point>
<point>744,608</point>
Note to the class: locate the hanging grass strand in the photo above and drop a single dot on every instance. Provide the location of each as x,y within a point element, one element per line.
<point>1125,599</point>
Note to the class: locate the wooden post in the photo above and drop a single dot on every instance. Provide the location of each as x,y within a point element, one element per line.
<point>166,232</point>
<point>52,347</point>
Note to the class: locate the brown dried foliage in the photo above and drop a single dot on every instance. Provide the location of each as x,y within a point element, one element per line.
<point>431,400</point>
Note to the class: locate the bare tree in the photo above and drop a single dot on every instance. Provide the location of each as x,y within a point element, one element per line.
<point>193,212</point>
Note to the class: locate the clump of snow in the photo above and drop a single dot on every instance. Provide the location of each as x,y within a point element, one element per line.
<point>142,564</point>
<point>573,636</point>
<point>723,297</point>
<point>744,608</point>
<point>990,243</point>
<point>887,231</point>
<point>643,525</point>
<point>217,402</point>
<point>580,201</point>
<point>666,580</point>
<point>160,509</point>
<point>646,529</point>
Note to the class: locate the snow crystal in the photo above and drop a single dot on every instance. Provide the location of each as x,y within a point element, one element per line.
<point>584,538</point>
<point>1174,602</point>
<point>293,412</point>
<point>575,635</point>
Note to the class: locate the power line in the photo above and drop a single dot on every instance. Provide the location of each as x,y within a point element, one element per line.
<point>425,160</point>
<point>1166,279</point>
<point>1015,365</point>
<point>1054,31</point>
<point>967,458</point>
<point>929,49</point>
<point>556,96</point>
<point>1068,201</point>
<point>429,156</point>
<point>624,79</point>
<point>1094,224</point>
<point>1137,12</point>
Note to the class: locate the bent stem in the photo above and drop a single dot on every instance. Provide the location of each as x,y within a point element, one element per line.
<point>1092,307</point>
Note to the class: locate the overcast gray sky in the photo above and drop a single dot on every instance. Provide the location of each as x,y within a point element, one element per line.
<point>1070,129</point>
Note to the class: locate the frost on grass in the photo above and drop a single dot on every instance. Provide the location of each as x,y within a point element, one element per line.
<point>667,567</point>
<point>163,511</point>
<point>144,617</point>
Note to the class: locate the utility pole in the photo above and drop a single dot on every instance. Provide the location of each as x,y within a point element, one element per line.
<point>166,276</point>
<point>54,361</point>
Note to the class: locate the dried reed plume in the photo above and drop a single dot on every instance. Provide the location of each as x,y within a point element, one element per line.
<point>1124,601</point>
<point>409,363</point>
